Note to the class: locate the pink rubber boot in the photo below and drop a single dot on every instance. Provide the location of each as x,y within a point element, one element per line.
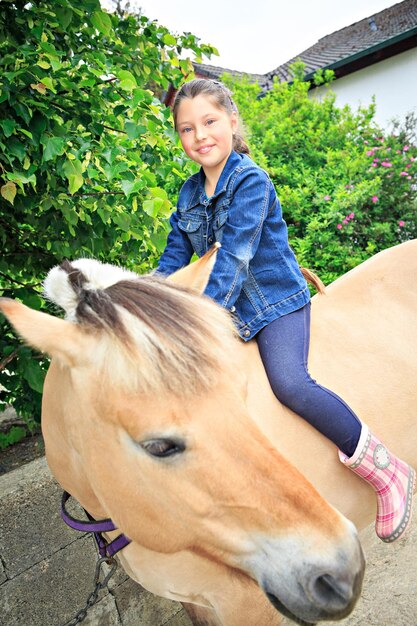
<point>393,482</point>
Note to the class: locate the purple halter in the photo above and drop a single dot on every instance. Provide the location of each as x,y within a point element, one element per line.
<point>105,548</point>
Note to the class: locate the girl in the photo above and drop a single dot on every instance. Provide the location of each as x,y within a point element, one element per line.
<point>257,278</point>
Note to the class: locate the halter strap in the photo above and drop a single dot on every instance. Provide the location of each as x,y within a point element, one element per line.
<point>105,548</point>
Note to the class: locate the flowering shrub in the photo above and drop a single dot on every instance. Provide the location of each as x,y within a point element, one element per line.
<point>348,188</point>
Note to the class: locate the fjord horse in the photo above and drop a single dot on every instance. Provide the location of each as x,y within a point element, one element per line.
<point>157,416</point>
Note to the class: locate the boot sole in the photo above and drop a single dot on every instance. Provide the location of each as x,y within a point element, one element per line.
<point>408,514</point>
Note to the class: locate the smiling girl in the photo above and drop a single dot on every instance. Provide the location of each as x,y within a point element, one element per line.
<point>257,278</point>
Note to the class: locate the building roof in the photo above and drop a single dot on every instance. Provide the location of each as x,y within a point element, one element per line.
<point>203,70</point>
<point>363,43</point>
<point>214,72</point>
<point>367,41</point>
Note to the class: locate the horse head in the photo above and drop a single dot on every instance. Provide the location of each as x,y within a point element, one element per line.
<point>145,421</point>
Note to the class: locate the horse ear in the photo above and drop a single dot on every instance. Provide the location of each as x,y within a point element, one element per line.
<point>196,275</point>
<point>49,334</point>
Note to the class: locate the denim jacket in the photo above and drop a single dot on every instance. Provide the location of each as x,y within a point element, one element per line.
<point>256,276</point>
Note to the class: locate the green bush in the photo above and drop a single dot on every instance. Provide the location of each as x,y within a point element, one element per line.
<point>89,163</point>
<point>14,435</point>
<point>348,188</point>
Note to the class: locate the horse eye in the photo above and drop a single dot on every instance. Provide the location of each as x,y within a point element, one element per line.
<point>163,447</point>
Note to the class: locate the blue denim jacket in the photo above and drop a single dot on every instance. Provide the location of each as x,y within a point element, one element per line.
<point>256,276</point>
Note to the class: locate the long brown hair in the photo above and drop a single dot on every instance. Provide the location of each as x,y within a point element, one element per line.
<point>222,97</point>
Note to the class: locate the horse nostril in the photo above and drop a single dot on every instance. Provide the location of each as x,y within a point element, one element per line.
<point>333,594</point>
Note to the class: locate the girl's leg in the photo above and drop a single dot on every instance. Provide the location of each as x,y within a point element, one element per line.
<point>284,346</point>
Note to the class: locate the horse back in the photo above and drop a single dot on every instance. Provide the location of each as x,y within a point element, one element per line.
<point>363,347</point>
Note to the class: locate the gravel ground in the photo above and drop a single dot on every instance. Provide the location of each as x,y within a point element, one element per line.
<point>31,447</point>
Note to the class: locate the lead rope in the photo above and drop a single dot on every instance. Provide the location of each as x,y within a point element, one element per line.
<point>98,586</point>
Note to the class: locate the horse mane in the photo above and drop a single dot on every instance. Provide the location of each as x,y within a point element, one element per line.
<point>153,334</point>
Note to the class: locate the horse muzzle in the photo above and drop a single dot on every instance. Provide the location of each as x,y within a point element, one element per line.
<point>310,584</point>
<point>324,597</point>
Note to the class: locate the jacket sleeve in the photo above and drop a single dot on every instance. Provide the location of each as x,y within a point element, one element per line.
<point>241,235</point>
<point>178,251</point>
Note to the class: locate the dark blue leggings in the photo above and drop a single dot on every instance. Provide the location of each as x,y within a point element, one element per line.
<point>284,346</point>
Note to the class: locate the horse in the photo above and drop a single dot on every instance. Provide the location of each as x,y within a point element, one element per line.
<point>157,416</point>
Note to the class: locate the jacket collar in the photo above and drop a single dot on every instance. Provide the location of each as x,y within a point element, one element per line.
<point>199,196</point>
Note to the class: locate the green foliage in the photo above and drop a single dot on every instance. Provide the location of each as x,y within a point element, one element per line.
<point>348,188</point>
<point>14,435</point>
<point>89,163</point>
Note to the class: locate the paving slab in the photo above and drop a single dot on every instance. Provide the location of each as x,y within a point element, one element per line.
<point>31,528</point>
<point>49,593</point>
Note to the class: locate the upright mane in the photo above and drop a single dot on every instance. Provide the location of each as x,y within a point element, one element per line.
<point>150,333</point>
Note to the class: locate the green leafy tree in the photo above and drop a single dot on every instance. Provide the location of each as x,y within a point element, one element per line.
<point>348,188</point>
<point>89,162</point>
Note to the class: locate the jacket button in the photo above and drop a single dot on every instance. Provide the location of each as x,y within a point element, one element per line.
<point>246,333</point>
<point>210,240</point>
<point>232,309</point>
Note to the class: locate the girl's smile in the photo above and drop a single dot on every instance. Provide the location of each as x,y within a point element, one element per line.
<point>204,149</point>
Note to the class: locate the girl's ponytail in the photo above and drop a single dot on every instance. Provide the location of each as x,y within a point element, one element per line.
<point>239,144</point>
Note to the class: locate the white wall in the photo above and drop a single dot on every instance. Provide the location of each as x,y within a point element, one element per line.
<point>393,82</point>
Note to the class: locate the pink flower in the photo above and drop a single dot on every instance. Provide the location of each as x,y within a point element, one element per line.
<point>374,164</point>
<point>403,173</point>
<point>386,164</point>
<point>406,148</point>
<point>327,197</point>
<point>401,223</point>
<point>366,141</point>
<point>351,216</point>
<point>345,221</point>
<point>370,152</point>
<point>398,151</point>
<point>374,199</point>
<point>339,226</point>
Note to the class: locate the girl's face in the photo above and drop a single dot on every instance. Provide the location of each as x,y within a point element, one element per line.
<point>206,132</point>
